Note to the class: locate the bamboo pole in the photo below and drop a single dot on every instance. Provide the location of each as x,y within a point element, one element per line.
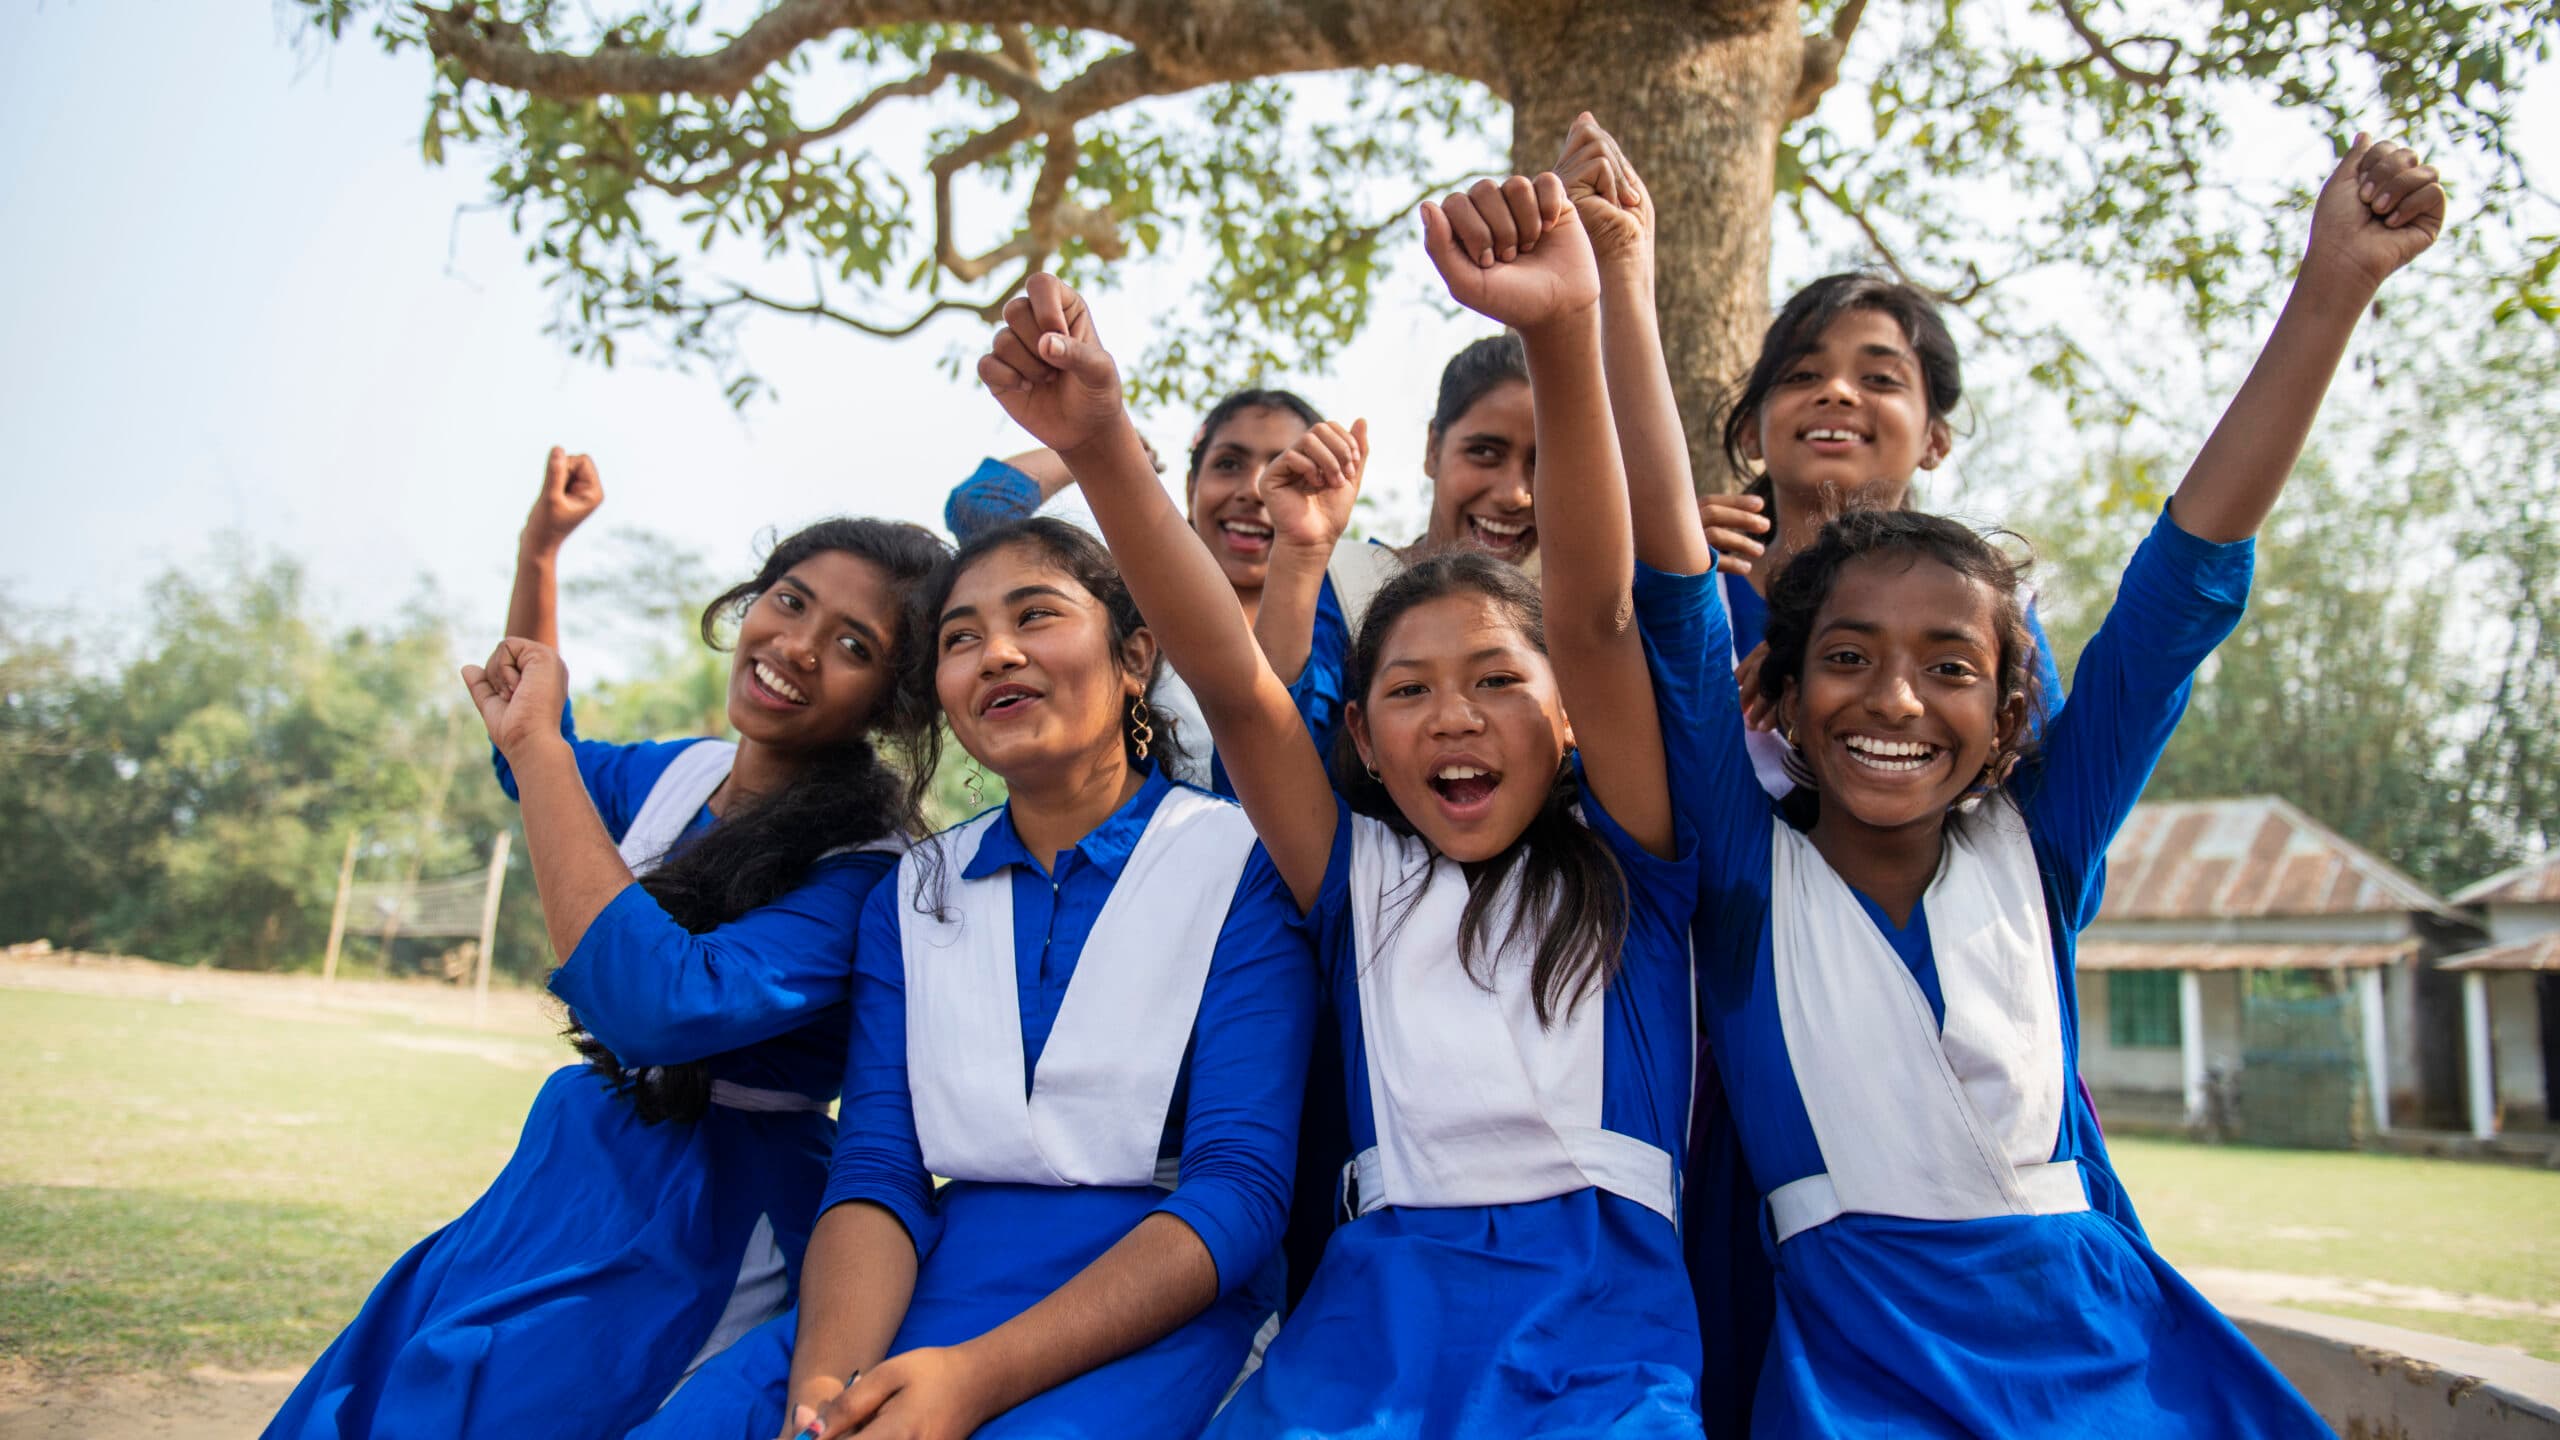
<point>489,925</point>
<point>338,912</point>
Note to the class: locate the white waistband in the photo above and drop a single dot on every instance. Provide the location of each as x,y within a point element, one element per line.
<point>733,1096</point>
<point>1620,1164</point>
<point>2052,1188</point>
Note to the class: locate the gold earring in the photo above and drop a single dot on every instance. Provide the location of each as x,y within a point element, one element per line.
<point>970,780</point>
<point>1141,725</point>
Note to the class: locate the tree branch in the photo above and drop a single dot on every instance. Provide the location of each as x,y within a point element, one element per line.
<point>818,309</point>
<point>1974,285</point>
<point>1819,69</point>
<point>2108,53</point>
<point>924,82</point>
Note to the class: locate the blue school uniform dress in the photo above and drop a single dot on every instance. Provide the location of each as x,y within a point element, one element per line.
<point>1950,1257</point>
<point>1720,1204</point>
<point>609,1255</point>
<point>1512,1266</point>
<point>1074,1050</point>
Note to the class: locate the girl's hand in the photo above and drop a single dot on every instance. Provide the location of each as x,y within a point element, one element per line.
<point>2381,209</point>
<point>926,1394</point>
<point>1049,370</point>
<point>1607,193</point>
<point>809,1401</point>
<point>1513,252</point>
<point>519,693</point>
<point>1757,711</point>
<point>571,491</point>
<point>1310,487</point>
<point>1733,523</point>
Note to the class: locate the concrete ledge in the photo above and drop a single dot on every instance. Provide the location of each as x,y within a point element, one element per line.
<point>2380,1382</point>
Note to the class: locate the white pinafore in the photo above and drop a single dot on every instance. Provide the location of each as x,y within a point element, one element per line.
<point>1959,1124</point>
<point>1094,1111</point>
<point>1474,1102</point>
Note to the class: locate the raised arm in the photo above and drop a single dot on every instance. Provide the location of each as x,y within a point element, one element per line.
<point>999,492</point>
<point>521,694</point>
<point>1049,371</point>
<point>1302,543</point>
<point>571,491</point>
<point>1550,293</point>
<point>1617,212</point>
<point>2380,209</point>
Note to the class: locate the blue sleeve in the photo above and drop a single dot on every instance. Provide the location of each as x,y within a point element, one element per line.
<point>994,494</point>
<point>658,994</point>
<point>878,1157</point>
<point>618,776</point>
<point>2048,675</point>
<point>1666,889</point>
<point>1689,644</point>
<point>1248,1079</point>
<point>2180,597</point>
<point>1317,691</point>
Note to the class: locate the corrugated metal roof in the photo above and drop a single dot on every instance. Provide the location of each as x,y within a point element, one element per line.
<point>2536,882</point>
<point>2232,859</point>
<point>2542,952</point>
<point>2174,955</point>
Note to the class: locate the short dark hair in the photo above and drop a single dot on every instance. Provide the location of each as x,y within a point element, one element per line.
<point>1228,409</point>
<point>1571,885</point>
<point>1797,595</point>
<point>1798,328</point>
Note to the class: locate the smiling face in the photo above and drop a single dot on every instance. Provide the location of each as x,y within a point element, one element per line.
<point>813,662</point>
<point>1463,724</point>
<point>1480,469</point>
<point>1026,669</point>
<point>1226,506</point>
<point>1899,705</point>
<point>1851,415</point>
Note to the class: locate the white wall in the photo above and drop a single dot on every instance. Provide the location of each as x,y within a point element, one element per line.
<point>2515,1040</point>
<point>2511,923</point>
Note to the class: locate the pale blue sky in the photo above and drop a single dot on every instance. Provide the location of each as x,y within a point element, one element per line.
<point>242,301</point>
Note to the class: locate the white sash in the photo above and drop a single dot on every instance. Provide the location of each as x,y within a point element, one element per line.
<point>1475,1102</point>
<point>1912,1121</point>
<point>1094,1113</point>
<point>1358,572</point>
<point>683,788</point>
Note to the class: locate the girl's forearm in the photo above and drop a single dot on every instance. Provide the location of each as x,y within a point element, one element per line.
<point>1140,1290</point>
<point>2237,476</point>
<point>533,606</point>
<point>576,869</point>
<point>1661,489</point>
<point>854,1290</point>
<point>1284,624</point>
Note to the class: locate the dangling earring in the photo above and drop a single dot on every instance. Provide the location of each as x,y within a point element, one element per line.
<point>970,780</point>
<point>1142,730</point>
<point>1994,771</point>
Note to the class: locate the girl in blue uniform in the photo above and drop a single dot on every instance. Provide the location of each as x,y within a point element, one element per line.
<point>1499,920</point>
<point>1891,991</point>
<point>660,1197</point>
<point>1088,1010</point>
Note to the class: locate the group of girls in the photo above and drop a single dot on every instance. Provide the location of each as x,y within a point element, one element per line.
<point>1670,1080</point>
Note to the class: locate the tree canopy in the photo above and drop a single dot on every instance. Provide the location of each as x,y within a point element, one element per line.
<point>677,166</point>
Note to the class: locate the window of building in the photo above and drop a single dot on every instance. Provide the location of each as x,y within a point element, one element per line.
<point>2142,1009</point>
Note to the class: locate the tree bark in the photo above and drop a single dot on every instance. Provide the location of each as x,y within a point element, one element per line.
<point>1697,93</point>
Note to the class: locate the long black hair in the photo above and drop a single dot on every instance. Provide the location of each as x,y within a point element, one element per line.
<point>1572,890</point>
<point>1090,565</point>
<point>1796,596</point>
<point>845,795</point>
<point>1798,329</point>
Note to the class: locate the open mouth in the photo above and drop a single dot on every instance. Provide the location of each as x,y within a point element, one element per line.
<point>1006,699</point>
<point>1891,757</point>
<point>1245,537</point>
<point>1502,537</point>
<point>774,688</point>
<point>1465,790</point>
<point>1831,440</point>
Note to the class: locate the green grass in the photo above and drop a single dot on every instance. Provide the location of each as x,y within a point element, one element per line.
<point>203,1184</point>
<point>2461,1226</point>
<point>216,1184</point>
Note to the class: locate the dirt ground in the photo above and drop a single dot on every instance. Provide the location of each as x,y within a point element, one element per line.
<point>205,1404</point>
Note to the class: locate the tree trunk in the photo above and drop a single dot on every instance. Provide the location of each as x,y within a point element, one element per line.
<point>1698,93</point>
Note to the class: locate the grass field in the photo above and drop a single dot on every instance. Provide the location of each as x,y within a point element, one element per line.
<point>218,1183</point>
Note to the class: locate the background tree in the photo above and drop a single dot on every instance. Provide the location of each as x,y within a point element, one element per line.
<point>652,151</point>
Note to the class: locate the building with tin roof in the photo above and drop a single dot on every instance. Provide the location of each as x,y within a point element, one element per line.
<point>2511,1001</point>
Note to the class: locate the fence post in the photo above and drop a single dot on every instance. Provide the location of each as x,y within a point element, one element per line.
<point>489,925</point>
<point>338,912</point>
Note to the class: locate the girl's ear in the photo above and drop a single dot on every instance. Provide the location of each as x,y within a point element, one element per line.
<point>1942,441</point>
<point>1751,442</point>
<point>1356,716</point>
<point>1137,662</point>
<point>1431,452</point>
